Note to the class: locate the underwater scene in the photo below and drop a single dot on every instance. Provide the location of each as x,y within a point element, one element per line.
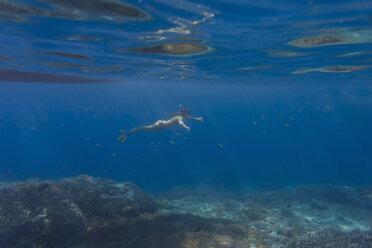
<point>185,124</point>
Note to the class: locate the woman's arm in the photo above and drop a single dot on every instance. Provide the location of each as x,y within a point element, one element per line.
<point>194,118</point>
<point>180,121</point>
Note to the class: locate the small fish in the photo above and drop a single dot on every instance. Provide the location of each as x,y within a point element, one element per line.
<point>98,144</point>
<point>114,154</point>
<point>220,145</point>
<point>172,142</point>
<point>286,125</point>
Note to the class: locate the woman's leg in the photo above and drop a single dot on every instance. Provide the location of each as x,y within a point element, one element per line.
<point>125,133</point>
<point>159,125</point>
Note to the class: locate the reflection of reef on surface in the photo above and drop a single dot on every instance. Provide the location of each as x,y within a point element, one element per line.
<point>252,68</point>
<point>81,38</point>
<point>100,9</point>
<point>5,58</point>
<point>285,54</point>
<point>63,65</point>
<point>14,11</point>
<point>97,212</point>
<point>74,9</point>
<point>64,54</point>
<point>333,69</point>
<point>10,17</point>
<point>352,54</point>
<point>115,68</point>
<point>340,38</point>
<point>38,77</point>
<point>175,49</point>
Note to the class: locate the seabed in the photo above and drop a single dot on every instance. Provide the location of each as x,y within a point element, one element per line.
<point>97,212</point>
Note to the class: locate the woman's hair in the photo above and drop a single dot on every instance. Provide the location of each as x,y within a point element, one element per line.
<point>183,111</point>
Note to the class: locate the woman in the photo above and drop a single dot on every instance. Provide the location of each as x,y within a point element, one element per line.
<point>177,119</point>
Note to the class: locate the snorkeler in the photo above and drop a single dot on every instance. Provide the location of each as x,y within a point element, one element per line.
<point>177,119</point>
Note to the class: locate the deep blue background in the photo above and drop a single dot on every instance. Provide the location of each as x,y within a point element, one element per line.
<point>52,131</point>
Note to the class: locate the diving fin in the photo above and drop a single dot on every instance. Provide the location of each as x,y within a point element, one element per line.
<point>124,136</point>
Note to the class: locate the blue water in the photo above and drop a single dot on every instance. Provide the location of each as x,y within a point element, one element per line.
<point>263,124</point>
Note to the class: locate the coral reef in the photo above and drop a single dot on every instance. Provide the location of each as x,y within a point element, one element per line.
<point>332,238</point>
<point>281,215</point>
<point>92,212</point>
<point>173,231</point>
<point>56,213</point>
